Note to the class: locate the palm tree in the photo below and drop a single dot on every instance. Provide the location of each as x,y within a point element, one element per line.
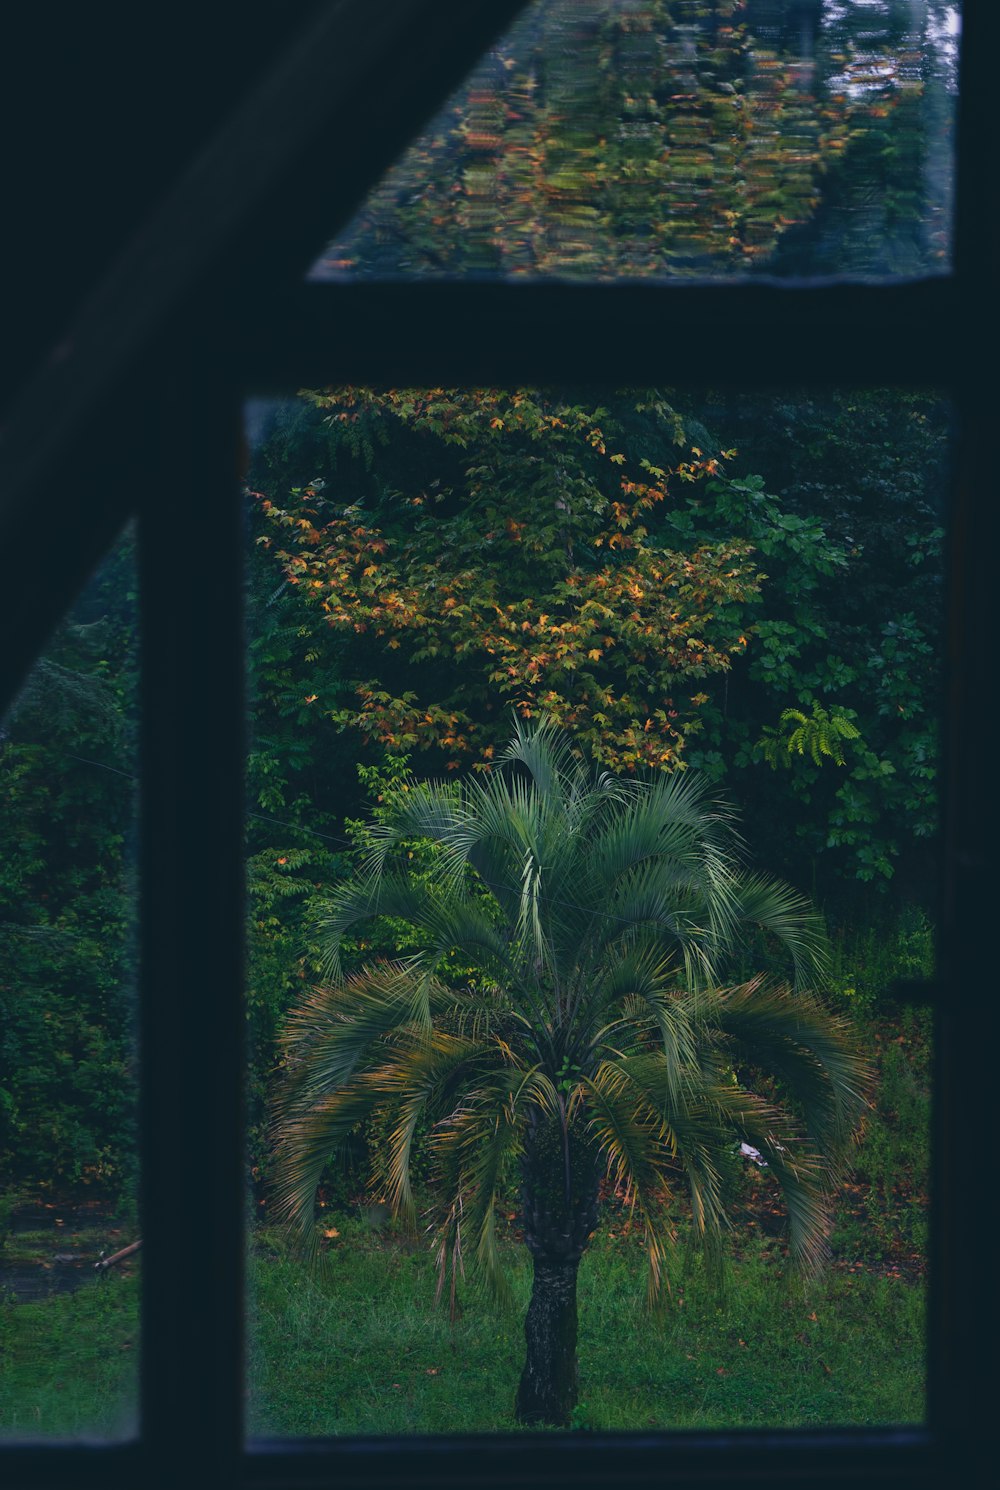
<point>596,1036</point>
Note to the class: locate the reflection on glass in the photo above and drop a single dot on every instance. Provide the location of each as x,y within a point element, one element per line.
<point>700,586</point>
<point>623,138</point>
<point>656,137</point>
<point>68,1160</point>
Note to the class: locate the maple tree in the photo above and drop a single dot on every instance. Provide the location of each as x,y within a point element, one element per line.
<point>453,523</point>
<point>527,571</point>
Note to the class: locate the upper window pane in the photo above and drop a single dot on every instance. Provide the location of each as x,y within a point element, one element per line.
<point>608,139</point>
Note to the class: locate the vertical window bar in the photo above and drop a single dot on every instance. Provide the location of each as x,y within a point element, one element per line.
<point>192,932</point>
<point>963,1284</point>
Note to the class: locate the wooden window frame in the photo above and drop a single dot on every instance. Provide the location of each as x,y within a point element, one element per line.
<point>139,415</point>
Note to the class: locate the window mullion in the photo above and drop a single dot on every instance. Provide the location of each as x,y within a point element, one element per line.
<point>192,926</point>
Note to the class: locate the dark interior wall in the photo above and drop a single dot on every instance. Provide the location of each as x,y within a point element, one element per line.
<point>102,106</point>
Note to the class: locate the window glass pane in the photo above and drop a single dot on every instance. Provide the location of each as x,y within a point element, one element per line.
<point>68,1158</point>
<point>605,1021</point>
<point>661,138</point>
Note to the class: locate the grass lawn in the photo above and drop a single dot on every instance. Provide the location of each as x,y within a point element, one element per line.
<point>362,1348</point>
<point>69,1364</point>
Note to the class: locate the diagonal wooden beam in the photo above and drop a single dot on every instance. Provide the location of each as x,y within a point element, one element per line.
<point>250,215</point>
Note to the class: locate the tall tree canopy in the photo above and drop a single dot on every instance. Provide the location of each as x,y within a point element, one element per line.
<point>499,550</point>
<point>431,557</point>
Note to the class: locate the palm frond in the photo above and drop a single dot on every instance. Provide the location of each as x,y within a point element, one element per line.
<point>362,899</point>
<point>687,1119</point>
<point>428,1064</point>
<point>545,752</point>
<point>782,911</point>
<point>639,1154</point>
<point>474,1147</point>
<point>304,1139</point>
<point>432,810</point>
<point>642,980</point>
<point>812,1052</point>
<point>328,1035</point>
<point>804,1174</point>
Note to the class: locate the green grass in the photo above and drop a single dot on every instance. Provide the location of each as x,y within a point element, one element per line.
<point>361,1348</point>
<point>69,1365</point>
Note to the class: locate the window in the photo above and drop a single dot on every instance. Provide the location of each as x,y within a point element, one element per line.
<point>218,332</point>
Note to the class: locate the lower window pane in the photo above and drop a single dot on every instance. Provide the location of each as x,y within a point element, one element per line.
<point>582,1090</point>
<point>69,1298</point>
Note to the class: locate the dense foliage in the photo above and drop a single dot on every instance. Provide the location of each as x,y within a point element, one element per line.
<point>515,565</point>
<point>66,904</point>
<point>613,563</point>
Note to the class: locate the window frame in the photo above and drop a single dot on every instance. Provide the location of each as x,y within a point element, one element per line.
<point>180,376</point>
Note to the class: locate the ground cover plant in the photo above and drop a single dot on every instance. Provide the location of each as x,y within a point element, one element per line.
<point>363,1348</point>
<point>594,1039</point>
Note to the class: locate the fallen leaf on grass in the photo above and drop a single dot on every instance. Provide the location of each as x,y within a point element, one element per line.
<point>826,1368</point>
<point>331,1231</point>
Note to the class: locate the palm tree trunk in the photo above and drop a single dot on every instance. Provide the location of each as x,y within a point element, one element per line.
<point>550,1382</point>
<point>559,1206</point>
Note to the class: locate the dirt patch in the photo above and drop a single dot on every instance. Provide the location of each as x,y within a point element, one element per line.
<point>45,1215</point>
<point>30,1282</point>
<point>50,1249</point>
